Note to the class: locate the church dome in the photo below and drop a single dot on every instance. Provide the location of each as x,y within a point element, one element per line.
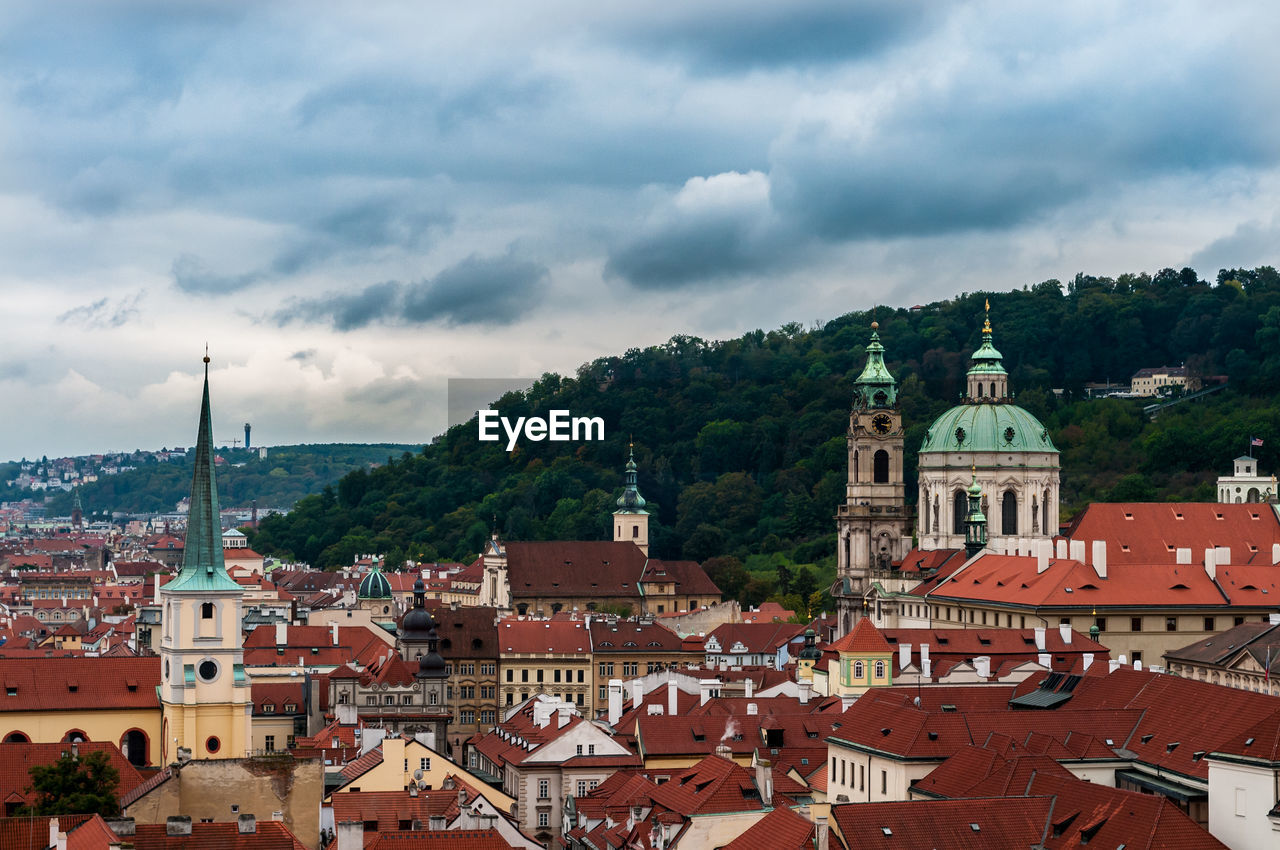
<point>418,622</point>
<point>375,585</point>
<point>995,427</point>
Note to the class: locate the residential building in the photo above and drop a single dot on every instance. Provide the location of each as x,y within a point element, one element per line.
<point>745,644</point>
<point>1162,380</point>
<point>469,645</point>
<point>626,649</point>
<point>551,657</point>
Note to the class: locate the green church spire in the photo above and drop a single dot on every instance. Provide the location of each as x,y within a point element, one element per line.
<point>986,360</point>
<point>630,502</point>
<point>202,564</point>
<point>975,524</point>
<point>875,387</point>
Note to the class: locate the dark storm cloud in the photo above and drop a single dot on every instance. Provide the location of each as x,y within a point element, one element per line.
<point>730,37</point>
<point>477,291</point>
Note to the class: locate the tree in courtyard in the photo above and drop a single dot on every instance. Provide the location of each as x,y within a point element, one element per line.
<point>75,785</point>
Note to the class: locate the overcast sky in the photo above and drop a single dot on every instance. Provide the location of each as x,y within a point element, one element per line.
<point>352,203</point>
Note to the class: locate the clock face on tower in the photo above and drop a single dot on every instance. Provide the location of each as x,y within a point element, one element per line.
<point>882,423</point>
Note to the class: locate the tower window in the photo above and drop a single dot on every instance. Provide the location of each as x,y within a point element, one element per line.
<point>635,531</point>
<point>206,611</point>
<point>960,504</point>
<point>880,464</point>
<point>1009,513</point>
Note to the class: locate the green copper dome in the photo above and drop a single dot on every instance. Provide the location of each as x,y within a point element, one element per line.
<point>875,387</point>
<point>375,585</point>
<point>630,502</point>
<point>987,428</point>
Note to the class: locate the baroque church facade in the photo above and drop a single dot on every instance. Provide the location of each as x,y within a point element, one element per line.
<point>985,460</point>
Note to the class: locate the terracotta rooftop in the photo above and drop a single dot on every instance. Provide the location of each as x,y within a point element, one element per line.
<point>584,568</point>
<point>79,684</point>
<point>1152,532</point>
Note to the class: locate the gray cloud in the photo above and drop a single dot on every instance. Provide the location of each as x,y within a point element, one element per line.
<point>730,37</point>
<point>1251,244</point>
<point>104,312</point>
<point>193,275</point>
<point>476,291</point>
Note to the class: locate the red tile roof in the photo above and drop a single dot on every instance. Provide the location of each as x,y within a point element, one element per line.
<point>633,637</point>
<point>445,839</point>
<point>559,637</point>
<point>865,638</point>
<point>32,833</point>
<point>1152,532</point>
<point>930,824</point>
<point>269,835</point>
<point>574,568</point>
<point>689,577</point>
<point>355,643</point>
<point>756,637</point>
<point>17,759</point>
<point>781,829</point>
<point>79,684</point>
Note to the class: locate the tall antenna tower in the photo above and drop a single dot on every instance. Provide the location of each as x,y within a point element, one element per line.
<point>246,435</point>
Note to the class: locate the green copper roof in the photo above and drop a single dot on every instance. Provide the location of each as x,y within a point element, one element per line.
<point>987,428</point>
<point>631,502</point>
<point>202,565</point>
<point>375,585</point>
<point>986,360</point>
<point>875,387</point>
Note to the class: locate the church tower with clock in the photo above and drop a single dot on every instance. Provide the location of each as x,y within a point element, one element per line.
<point>873,525</point>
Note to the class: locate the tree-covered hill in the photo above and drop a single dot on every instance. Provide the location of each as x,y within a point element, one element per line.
<point>740,443</point>
<point>284,476</point>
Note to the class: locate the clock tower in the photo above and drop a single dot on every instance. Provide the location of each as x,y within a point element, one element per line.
<point>873,526</point>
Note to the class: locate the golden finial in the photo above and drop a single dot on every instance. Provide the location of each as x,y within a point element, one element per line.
<point>986,323</point>
<point>206,353</point>
<point>875,326</point>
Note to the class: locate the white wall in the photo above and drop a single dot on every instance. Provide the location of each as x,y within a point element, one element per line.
<point>1239,798</point>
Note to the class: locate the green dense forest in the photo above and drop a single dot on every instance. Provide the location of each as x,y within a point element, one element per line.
<point>283,477</point>
<point>740,442</point>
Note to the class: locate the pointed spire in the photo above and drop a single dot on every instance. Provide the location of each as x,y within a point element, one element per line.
<point>975,524</point>
<point>202,564</point>
<point>875,387</point>
<point>630,502</point>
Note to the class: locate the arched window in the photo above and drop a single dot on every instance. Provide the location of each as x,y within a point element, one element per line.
<point>17,738</point>
<point>925,507</point>
<point>1045,514</point>
<point>960,504</point>
<point>881,464</point>
<point>979,389</point>
<point>134,746</point>
<point>879,669</point>
<point>859,670</point>
<point>1009,513</point>
<point>854,465</point>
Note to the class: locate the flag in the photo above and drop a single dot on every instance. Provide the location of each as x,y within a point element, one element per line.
<point>1254,441</point>
<point>1268,665</point>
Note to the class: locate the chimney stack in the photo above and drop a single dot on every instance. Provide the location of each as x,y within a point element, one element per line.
<point>637,693</point>
<point>673,705</point>
<point>904,655</point>
<point>248,824</point>
<point>350,835</point>
<point>1100,558</point>
<point>1040,630</point>
<point>1211,563</point>
<point>1061,546</point>
<point>1043,552</point>
<point>982,665</point>
<point>615,701</point>
<point>1183,556</point>
<point>177,825</point>
<point>750,687</point>
<point>821,833</point>
<point>1086,661</point>
<point>764,781</point>
<point>1222,555</point>
<point>1064,631</point>
<point>1045,661</point>
<point>1077,551</point>
<point>282,634</point>
<point>1275,554</point>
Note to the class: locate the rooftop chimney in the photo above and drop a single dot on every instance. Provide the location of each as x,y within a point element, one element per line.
<point>1113,665</point>
<point>1274,618</point>
<point>904,655</point>
<point>1086,661</point>
<point>673,706</point>
<point>822,831</point>
<point>1183,556</point>
<point>764,781</point>
<point>1100,558</point>
<point>982,665</point>
<point>1211,563</point>
<point>1064,631</point>
<point>1045,661</point>
<point>248,824</point>
<point>1077,551</point>
<point>177,825</point>
<point>924,654</point>
<point>1040,638</point>
<point>752,709</point>
<point>637,693</point>
<point>282,634</point>
<point>350,835</point>
<point>1223,555</point>
<point>333,627</point>
<point>806,689</point>
<point>750,686</point>
<point>615,701</point>
<point>53,832</point>
<point>1061,546</point>
<point>1275,554</point>
<point>1043,552</point>
<point>1137,664</point>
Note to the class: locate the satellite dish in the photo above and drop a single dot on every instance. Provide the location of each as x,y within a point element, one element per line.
<point>417,774</point>
<point>422,783</point>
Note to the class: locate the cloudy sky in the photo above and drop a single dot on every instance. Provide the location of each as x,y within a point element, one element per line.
<point>352,203</point>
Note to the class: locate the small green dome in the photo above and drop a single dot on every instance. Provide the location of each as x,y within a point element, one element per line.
<point>375,585</point>
<point>987,428</point>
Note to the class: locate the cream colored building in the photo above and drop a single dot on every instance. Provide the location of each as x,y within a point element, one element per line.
<point>1244,484</point>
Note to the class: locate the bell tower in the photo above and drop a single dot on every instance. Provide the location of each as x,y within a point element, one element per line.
<point>873,526</point>
<point>204,694</point>
<point>631,520</point>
